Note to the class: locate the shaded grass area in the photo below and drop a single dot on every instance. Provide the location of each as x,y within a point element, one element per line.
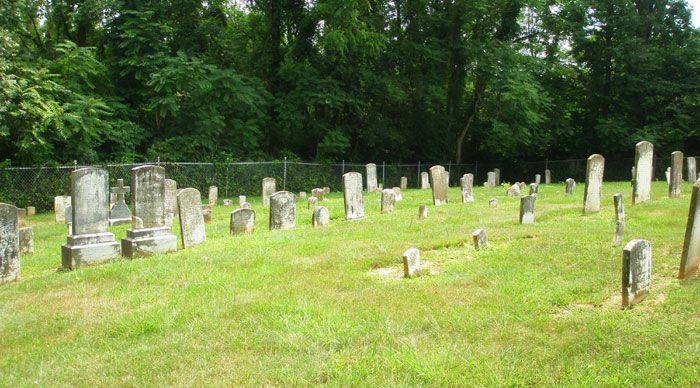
<point>328,306</point>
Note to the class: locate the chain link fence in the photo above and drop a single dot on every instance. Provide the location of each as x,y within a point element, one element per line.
<point>37,186</point>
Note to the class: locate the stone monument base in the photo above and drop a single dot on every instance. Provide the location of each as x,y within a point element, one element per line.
<point>119,221</point>
<point>148,242</point>
<point>89,249</point>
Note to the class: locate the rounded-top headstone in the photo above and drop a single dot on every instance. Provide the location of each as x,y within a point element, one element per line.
<point>352,196</point>
<point>192,230</point>
<point>321,217</point>
<point>242,221</point>
<point>282,210</point>
<point>594,183</point>
<point>643,172</point>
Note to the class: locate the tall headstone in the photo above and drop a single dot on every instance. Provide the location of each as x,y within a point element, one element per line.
<point>480,239</point>
<point>241,199</point>
<point>321,217</point>
<point>404,183</point>
<point>151,235</point>
<point>269,187</point>
<point>467,184</point>
<point>674,188</point>
<point>388,200</point>
<point>9,244</point>
<point>352,196</point>
<point>643,172</point>
<point>422,212</point>
<point>411,262</point>
<point>91,241</point>
<point>547,177</point>
<point>570,184</point>
<point>397,194</point>
<point>497,178</point>
<point>424,180</point>
<point>171,196</point>
<point>283,210</point>
<point>213,197</point>
<point>120,213</point>
<point>189,205</point>
<point>534,189</point>
<point>690,257</point>
<point>538,178</point>
<point>371,177</point>
<point>692,172</point>
<point>636,272</point>
<point>594,184</point>
<point>619,220</point>
<point>439,184</point>
<point>242,221</point>
<point>312,203</point>
<point>59,207</point>
<point>527,209</point>
<point>491,179</point>
<point>26,240</point>
<point>668,176</point>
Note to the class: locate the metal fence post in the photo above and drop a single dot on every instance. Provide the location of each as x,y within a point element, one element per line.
<point>476,170</point>
<point>383,169</point>
<point>343,167</point>
<point>284,179</point>
<point>419,185</point>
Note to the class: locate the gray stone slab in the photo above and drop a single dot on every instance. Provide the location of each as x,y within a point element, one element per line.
<point>352,196</point>
<point>411,262</point>
<point>242,221</point>
<point>424,180</point>
<point>690,257</point>
<point>388,201</point>
<point>90,238</point>
<point>31,210</point>
<point>213,197</point>
<point>78,256</point>
<point>318,193</point>
<point>26,240</point>
<point>171,196</point>
<point>9,244</point>
<point>527,209</point>
<point>619,220</point>
<point>570,185</point>
<point>497,173</point>
<point>480,239</point>
<point>491,179</point>
<point>692,170</point>
<point>269,187</point>
<point>534,189</point>
<point>422,212</point>
<point>439,184</point>
<point>282,210</point>
<point>397,194</point>
<point>149,246</point>
<point>538,178</point>
<point>466,182</point>
<point>594,184</point>
<point>148,195</point>
<point>643,172</point>
<point>59,207</point>
<point>90,200</point>
<point>676,184</point>
<point>371,174</point>
<point>192,230</point>
<point>321,217</point>
<point>636,272</point>
<point>547,177</point>
<point>404,183</point>
<point>312,203</point>
<point>513,191</point>
<point>227,202</point>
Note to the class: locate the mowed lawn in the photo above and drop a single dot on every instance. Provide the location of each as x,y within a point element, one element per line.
<point>329,306</point>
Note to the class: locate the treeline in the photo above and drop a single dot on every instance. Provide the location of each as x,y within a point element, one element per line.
<point>363,80</point>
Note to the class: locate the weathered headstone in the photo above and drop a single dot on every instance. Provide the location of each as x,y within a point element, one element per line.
<point>527,209</point>
<point>570,184</point>
<point>241,199</point>
<point>439,184</point>
<point>411,262</point>
<point>594,184</point>
<point>120,213</point>
<point>547,177</point>
<point>380,187</point>
<point>422,212</point>
<point>636,272</point>
<point>269,187</point>
<point>26,240</point>
<point>643,172</point>
<point>227,202</point>
<point>283,210</point>
<point>312,203</point>
<point>676,184</point>
<point>690,257</point>
<point>352,196</point>
<point>189,205</point>
<point>91,241</point>
<point>320,217</point>
<point>207,213</point>
<point>424,180</point>
<point>242,221</point>
<point>497,178</point>
<point>404,183</point>
<point>691,170</point>
<point>480,239</point>
<point>523,186</point>
<point>534,189</point>
<point>246,205</point>
<point>668,176</point>
<point>22,217</point>
<point>302,195</point>
<point>59,207</point>
<point>326,190</point>
<point>318,193</point>
<point>371,171</point>
<point>388,201</point>
<point>31,210</point>
<point>467,184</point>
<point>491,179</point>
<point>171,196</point>
<point>538,178</point>
<point>513,191</point>
<point>213,197</point>
<point>69,219</point>
<point>9,244</point>
<point>397,194</point>
<point>493,202</point>
<point>619,220</point>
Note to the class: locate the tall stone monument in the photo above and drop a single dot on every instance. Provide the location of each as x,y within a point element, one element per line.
<point>371,177</point>
<point>189,204</point>
<point>352,196</point>
<point>547,177</point>
<point>59,207</point>
<point>466,182</point>
<point>171,196</point>
<point>213,197</point>
<point>268,188</point>
<point>676,183</point>
<point>594,184</point>
<point>692,171</point>
<point>439,185</point>
<point>643,172</point>
<point>9,244</point>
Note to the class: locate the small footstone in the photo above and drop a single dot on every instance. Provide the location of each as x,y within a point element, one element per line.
<point>321,217</point>
<point>570,184</point>
<point>422,212</point>
<point>527,209</point>
<point>493,202</point>
<point>523,186</point>
<point>227,202</point>
<point>636,272</point>
<point>411,262</point>
<point>326,190</point>
<point>242,221</point>
<point>207,213</point>
<point>318,193</point>
<point>302,195</point>
<point>26,240</point>
<point>31,210</point>
<point>480,239</point>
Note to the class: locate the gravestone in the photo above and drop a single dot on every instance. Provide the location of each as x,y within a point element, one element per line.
<point>246,205</point>
<point>269,187</point>
<point>480,239</point>
<point>371,171</point>
<point>227,202</point>
<point>547,177</point>
<point>207,213</point>
<point>213,197</point>
<point>312,203</point>
<point>282,210</point>
<point>668,176</point>
<point>22,217</point>
<point>120,213</point>
<point>59,207</point>
<point>676,184</point>
<point>619,220</point>
<point>636,272</point>
<point>690,257</point>
<point>302,195</point>
<point>26,240</point>
<point>149,234</point>
<point>439,184</point>
<point>352,196</point>
<point>497,176</point>
<point>594,184</point>
<point>380,187</point>
<point>397,194</point>
<point>424,180</point>
<point>388,201</point>
<point>31,210</point>
<point>69,219</point>
<point>422,212</point>
<point>326,190</point>
<point>527,209</point>
<point>320,217</point>
<point>643,172</point>
<point>493,202</point>
<point>169,220</point>
<point>9,244</point>
<point>467,184</point>
<point>241,199</point>
<point>523,186</point>
<point>534,188</point>
<point>411,262</point>
<point>91,241</point>
<point>318,193</point>
<point>513,191</point>
<point>242,221</point>
<point>404,183</point>
<point>570,184</point>
<point>538,178</point>
<point>491,179</point>
<point>691,171</point>
<point>189,205</point>
<point>171,196</point>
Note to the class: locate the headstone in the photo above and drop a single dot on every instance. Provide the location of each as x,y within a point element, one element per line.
<point>69,219</point>
<point>320,217</point>
<point>302,195</point>
<point>120,213</point>
<point>282,210</point>
<point>447,178</point>
<point>534,188</point>
<point>527,209</point>
<point>22,217</point>
<point>643,172</point>
<point>227,202</point>
<point>422,212</point>
<point>318,193</point>
<point>691,170</point>
<point>397,194</point>
<point>594,184</point>
<point>668,176</point>
<point>493,202</point>
<point>411,262</point>
<point>326,190</point>
<point>91,242</point>
<point>171,196</point>
<point>59,207</point>
<point>388,201</point>
<point>480,239</point>
<point>632,181</point>
<point>675,186</point>
<point>207,213</point>
<point>371,171</point>
<point>424,180</point>
<point>491,180</point>
<point>636,272</point>
<point>148,204</point>
<point>242,221</point>
<point>467,184</point>
<point>241,199</point>
<point>538,178</point>
<point>523,186</point>
<point>246,205</point>
<point>213,197</point>
<point>619,220</point>
<point>690,257</point>
<point>352,196</point>
<point>570,184</point>
<point>312,203</point>
<point>404,183</point>
<point>169,220</point>
<point>9,244</point>
<point>26,240</point>
<point>513,191</point>
<point>31,210</point>
<point>439,184</point>
<point>189,205</point>
<point>497,173</point>
<point>380,187</point>
<point>269,187</point>
<point>547,177</point>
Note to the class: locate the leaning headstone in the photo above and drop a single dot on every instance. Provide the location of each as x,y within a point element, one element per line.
<point>513,191</point>
<point>9,244</point>
<point>170,196</point>
<point>643,172</point>
<point>547,177</point>
<point>242,221</point>
<point>189,205</point>
<point>91,241</point>
<point>411,262</point>
<point>207,214</point>
<point>120,213</point>
<point>668,176</point>
<point>318,193</point>
<point>527,209</point>
<point>59,207</point>
<point>422,212</point>
<point>148,204</point>
<point>213,197</point>
<point>31,210</point>
<point>388,201</point>
<point>691,170</point>
<point>619,220</point>
<point>467,184</point>
<point>241,199</point>
<point>404,183</point>
<point>480,239</point>
<point>491,179</point>
<point>282,210</point>
<point>246,205</point>
<point>594,184</point>
<point>636,272</point>
<point>312,203</point>
<point>269,187</point>
<point>674,188</point>
<point>439,184</point>
<point>493,202</point>
<point>570,184</point>
<point>424,180</point>
<point>397,194</point>
<point>534,188</point>
<point>227,202</point>
<point>26,240</point>
<point>497,178</point>
<point>538,178</point>
<point>352,196</point>
<point>690,257</point>
<point>371,171</point>
<point>320,217</point>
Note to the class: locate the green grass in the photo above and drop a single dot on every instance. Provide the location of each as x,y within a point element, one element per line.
<point>328,306</point>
